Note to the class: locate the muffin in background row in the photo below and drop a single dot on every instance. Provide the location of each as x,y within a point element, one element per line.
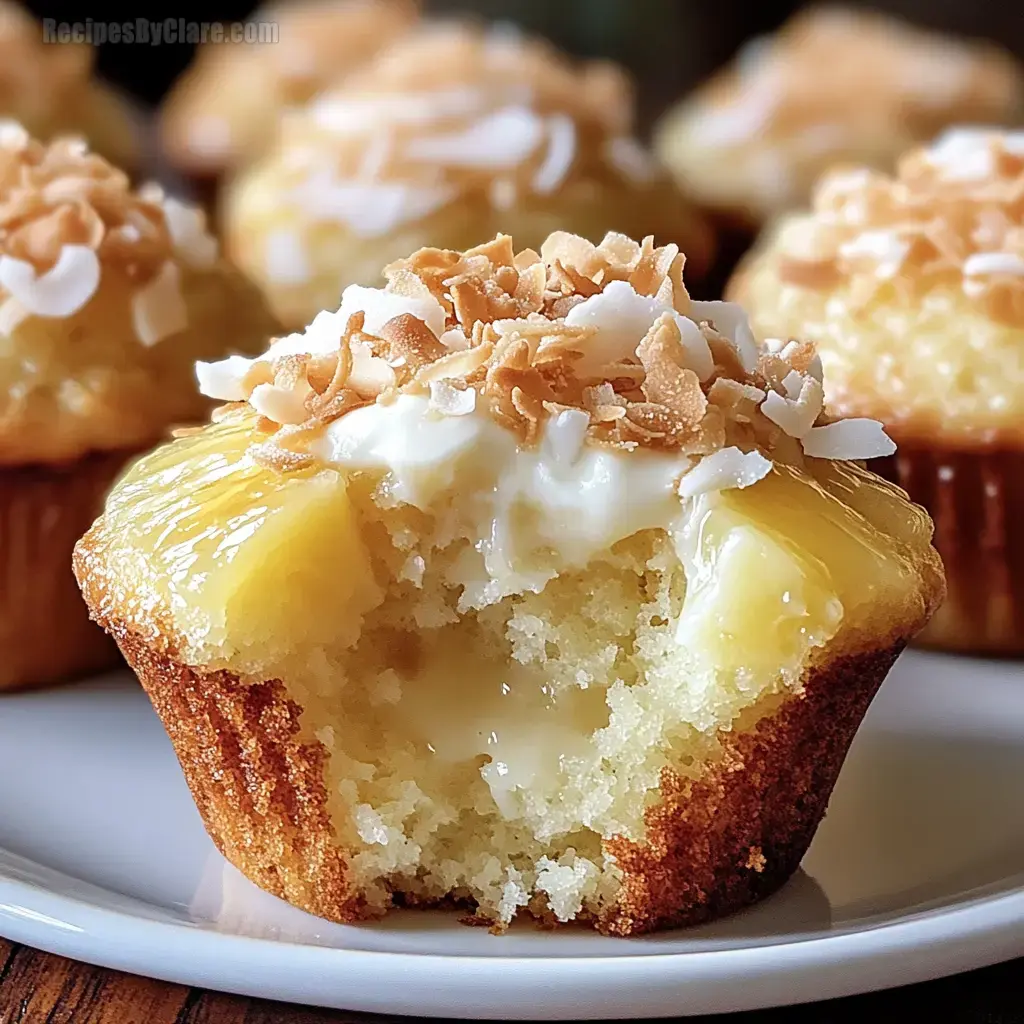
<point>912,286</point>
<point>451,134</point>
<point>834,85</point>
<point>551,593</point>
<point>50,89</point>
<point>224,111</point>
<point>107,296</point>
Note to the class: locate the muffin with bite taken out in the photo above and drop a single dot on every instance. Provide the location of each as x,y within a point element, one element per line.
<point>107,297</point>
<point>525,582</point>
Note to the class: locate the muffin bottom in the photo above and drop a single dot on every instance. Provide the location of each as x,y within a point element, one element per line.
<point>45,632</point>
<point>713,845</point>
<point>976,499</point>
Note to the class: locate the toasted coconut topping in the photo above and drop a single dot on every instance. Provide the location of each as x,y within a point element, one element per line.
<point>835,74</point>
<point>578,343</point>
<point>450,110</point>
<point>66,214</point>
<point>953,213</point>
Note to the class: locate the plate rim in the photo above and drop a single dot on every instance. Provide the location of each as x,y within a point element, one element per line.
<point>908,949</point>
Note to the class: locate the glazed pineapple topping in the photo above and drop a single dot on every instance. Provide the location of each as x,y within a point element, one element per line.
<point>952,214</point>
<point>68,218</point>
<point>519,533</point>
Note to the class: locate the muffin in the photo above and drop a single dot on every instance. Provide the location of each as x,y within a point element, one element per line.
<point>224,110</point>
<point>107,296</point>
<point>523,583</point>
<point>451,135</point>
<point>912,286</point>
<point>49,88</point>
<point>833,85</point>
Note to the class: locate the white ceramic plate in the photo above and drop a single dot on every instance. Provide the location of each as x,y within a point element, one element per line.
<point>917,871</point>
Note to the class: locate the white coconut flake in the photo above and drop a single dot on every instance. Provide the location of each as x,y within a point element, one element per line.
<point>187,228</point>
<point>502,139</point>
<point>622,317</point>
<point>848,439</point>
<point>282,405</point>
<point>285,258</point>
<point>564,435</point>
<point>792,384</point>
<point>158,309</point>
<point>455,340</point>
<point>630,159</point>
<point>13,135</point>
<point>730,320</point>
<point>795,417</point>
<point>884,246</point>
<point>560,154</point>
<point>451,401</point>
<point>724,469</point>
<point>370,375</point>
<point>60,292</point>
<point>223,380</point>
<point>984,263</point>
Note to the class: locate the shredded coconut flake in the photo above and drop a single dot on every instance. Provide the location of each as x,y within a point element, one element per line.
<point>848,439</point>
<point>728,467</point>
<point>451,401</point>
<point>158,308</point>
<point>560,154</point>
<point>60,291</point>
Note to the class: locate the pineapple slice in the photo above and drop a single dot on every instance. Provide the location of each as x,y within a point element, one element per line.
<point>249,562</point>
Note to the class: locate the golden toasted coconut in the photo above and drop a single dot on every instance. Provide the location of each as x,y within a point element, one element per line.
<point>834,85</point>
<point>453,134</point>
<point>912,286</point>
<point>525,582</point>
<point>223,112</point>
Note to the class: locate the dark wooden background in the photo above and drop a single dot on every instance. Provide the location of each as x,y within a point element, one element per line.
<point>37,988</point>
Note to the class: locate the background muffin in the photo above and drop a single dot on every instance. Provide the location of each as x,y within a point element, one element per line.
<point>913,288</point>
<point>224,111</point>
<point>453,134</point>
<point>107,296</point>
<point>48,87</point>
<point>833,85</point>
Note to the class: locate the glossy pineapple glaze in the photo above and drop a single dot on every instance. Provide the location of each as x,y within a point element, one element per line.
<point>468,743</point>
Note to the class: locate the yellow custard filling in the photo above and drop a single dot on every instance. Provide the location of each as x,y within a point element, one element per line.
<point>538,721</point>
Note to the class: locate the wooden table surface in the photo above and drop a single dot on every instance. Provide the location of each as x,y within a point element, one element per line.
<point>37,988</point>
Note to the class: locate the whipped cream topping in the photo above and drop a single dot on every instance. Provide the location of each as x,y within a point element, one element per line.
<point>561,495</point>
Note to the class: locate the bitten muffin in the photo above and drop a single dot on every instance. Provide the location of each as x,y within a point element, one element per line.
<point>833,85</point>
<point>107,296</point>
<point>524,582</point>
<point>224,110</point>
<point>453,134</point>
<point>913,288</point>
<point>49,88</point>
